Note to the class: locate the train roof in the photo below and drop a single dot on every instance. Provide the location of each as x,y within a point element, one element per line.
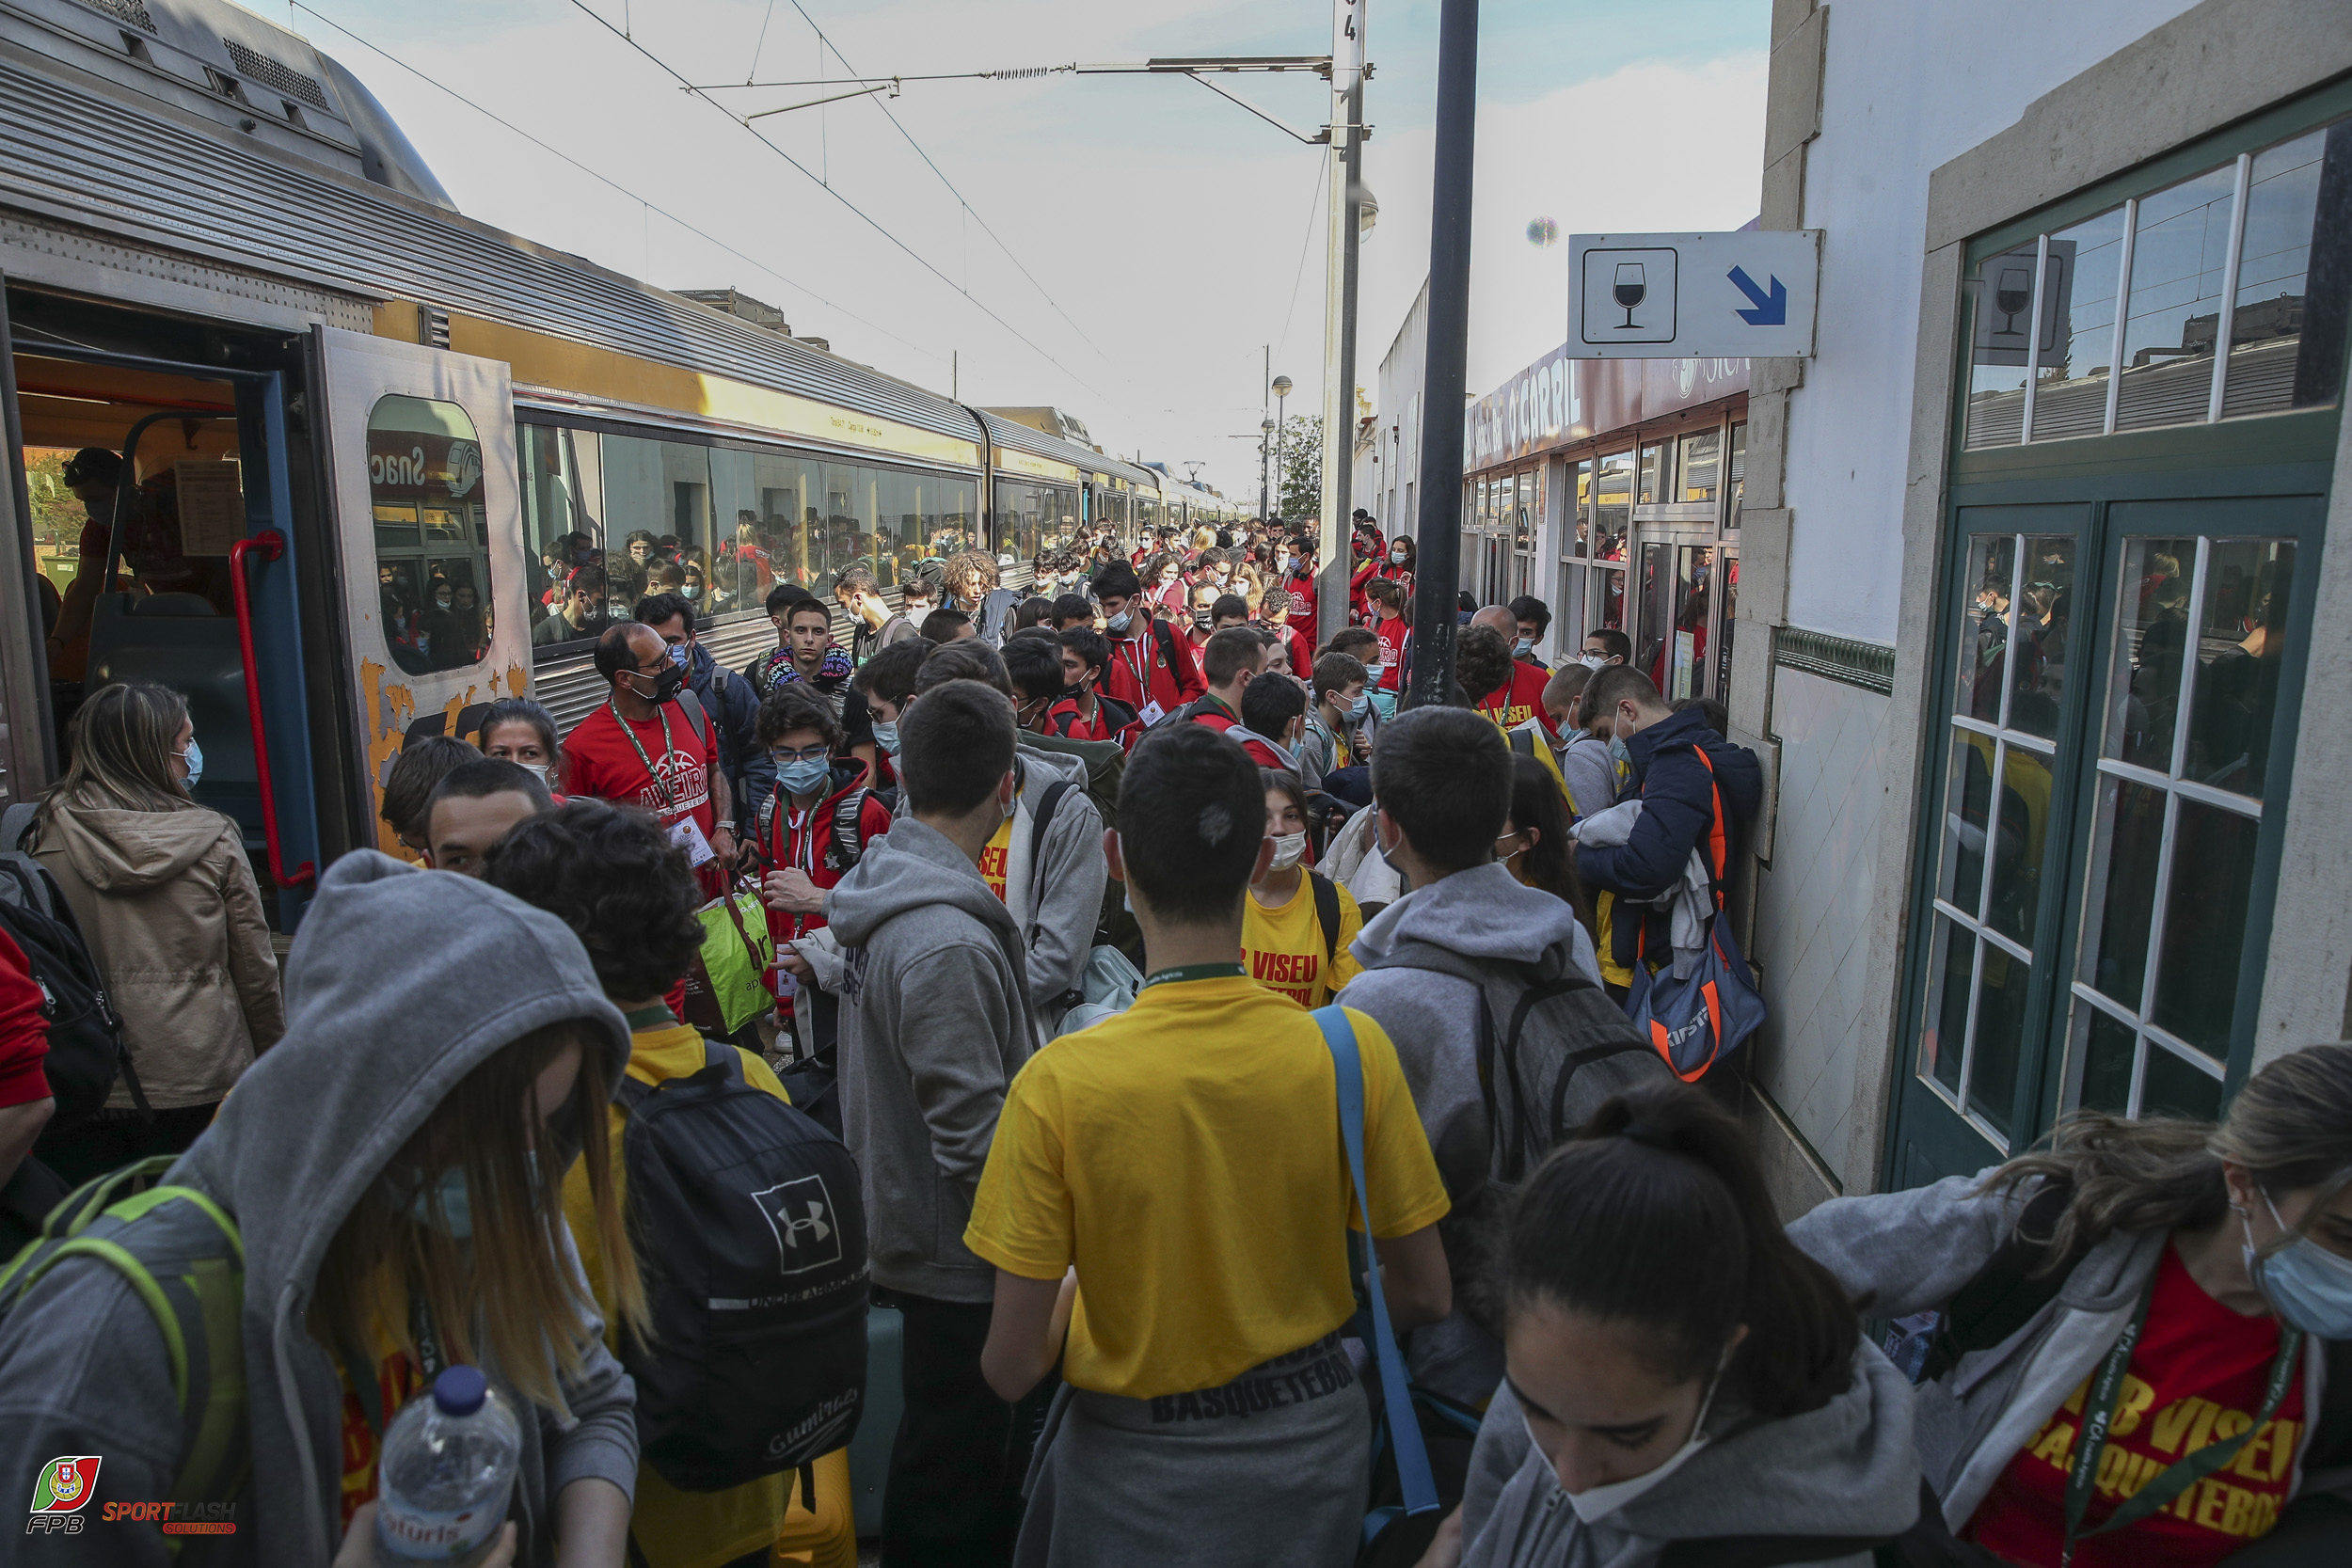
<point>1021,437</point>
<point>164,162</point>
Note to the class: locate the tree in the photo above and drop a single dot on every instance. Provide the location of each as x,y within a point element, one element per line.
<point>1299,466</point>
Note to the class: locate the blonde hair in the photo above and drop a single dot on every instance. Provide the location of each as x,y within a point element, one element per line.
<point>509,1297</point>
<point>123,739</point>
<point>2290,1129</point>
<point>1202,538</point>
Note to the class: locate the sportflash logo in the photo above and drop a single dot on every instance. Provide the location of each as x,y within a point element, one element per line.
<point>62,1492</point>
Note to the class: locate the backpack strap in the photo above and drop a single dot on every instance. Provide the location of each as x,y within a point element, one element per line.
<point>849,816</point>
<point>1522,741</point>
<point>16,824</point>
<point>1326,894</point>
<point>766,819</point>
<point>695,714</point>
<point>1412,1455</point>
<point>1040,821</point>
<point>2015,1283</point>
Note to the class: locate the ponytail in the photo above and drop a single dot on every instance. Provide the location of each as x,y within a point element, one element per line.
<point>1655,1218</point>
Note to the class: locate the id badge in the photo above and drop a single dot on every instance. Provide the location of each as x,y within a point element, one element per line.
<point>1152,714</point>
<point>687,833</point>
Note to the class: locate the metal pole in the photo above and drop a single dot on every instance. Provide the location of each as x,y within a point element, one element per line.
<point>1339,312</point>
<point>1265,442</point>
<point>1438,525</point>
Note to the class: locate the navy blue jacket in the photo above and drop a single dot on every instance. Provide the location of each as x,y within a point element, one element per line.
<point>1678,796</point>
<point>734,711</point>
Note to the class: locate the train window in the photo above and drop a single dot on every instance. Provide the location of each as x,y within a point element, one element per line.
<point>657,518</point>
<point>432,533</point>
<point>560,499</point>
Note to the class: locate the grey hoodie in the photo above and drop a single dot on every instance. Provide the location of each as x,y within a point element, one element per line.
<point>1844,1470</point>
<point>1433,1019</point>
<point>1058,916</point>
<point>370,1049</point>
<point>935,1019</point>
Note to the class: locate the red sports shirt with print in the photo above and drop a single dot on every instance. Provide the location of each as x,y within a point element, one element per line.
<point>2197,1377</point>
<point>599,761</point>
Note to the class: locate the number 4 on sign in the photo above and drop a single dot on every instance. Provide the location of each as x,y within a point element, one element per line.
<point>1771,309</point>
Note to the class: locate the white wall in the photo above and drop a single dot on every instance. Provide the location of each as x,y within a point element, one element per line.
<point>1908,85</point>
<point>1397,399</point>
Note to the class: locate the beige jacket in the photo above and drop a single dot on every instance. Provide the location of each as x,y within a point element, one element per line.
<point>168,903</point>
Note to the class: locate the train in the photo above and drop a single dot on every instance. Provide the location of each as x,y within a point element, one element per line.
<point>368,442</point>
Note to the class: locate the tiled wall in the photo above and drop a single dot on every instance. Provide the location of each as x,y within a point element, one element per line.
<point>1813,907</point>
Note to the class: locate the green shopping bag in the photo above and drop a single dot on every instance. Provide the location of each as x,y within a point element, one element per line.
<point>727,987</point>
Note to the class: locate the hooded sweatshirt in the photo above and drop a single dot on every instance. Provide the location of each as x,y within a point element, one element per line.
<point>1059,909</point>
<point>167,901</point>
<point>1846,1471</point>
<point>1486,914</point>
<point>370,1051</point>
<point>935,1020</point>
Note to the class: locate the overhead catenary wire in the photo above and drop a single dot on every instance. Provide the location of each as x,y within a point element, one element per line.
<point>1315,218</point>
<point>608,182</point>
<point>671,72</point>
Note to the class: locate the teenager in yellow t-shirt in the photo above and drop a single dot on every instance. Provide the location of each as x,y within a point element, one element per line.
<point>1169,1188</point>
<point>1296,923</point>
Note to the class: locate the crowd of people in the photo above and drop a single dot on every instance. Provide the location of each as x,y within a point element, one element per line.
<point>1085,1036</point>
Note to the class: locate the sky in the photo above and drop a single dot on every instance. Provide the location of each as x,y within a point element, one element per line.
<point>1124,244</point>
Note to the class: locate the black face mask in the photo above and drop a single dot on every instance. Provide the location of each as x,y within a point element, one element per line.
<point>1203,617</point>
<point>665,684</point>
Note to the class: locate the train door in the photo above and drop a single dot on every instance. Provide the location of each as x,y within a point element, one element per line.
<point>435,600</point>
<point>155,539</point>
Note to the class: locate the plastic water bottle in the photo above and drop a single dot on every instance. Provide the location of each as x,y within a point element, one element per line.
<point>447,1471</point>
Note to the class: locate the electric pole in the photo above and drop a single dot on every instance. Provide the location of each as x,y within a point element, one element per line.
<point>1438,528</point>
<point>1339,311</point>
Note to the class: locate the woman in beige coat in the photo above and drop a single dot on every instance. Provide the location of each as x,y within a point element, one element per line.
<point>167,901</point>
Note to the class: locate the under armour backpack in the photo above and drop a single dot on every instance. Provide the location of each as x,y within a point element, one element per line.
<point>747,1219</point>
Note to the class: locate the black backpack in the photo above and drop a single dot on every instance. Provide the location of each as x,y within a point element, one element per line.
<point>86,1049</point>
<point>749,1222</point>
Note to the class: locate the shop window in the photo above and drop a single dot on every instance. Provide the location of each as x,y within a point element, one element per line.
<point>1656,474</point>
<point>431,538</point>
<point>2272,365</point>
<point>1700,462</point>
<point>1736,478</point>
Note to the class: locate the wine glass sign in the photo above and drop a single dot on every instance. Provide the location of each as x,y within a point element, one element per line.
<point>2007,316</point>
<point>1746,295</point>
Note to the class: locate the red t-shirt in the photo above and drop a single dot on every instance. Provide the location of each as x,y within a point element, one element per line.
<point>1302,593</point>
<point>599,761</point>
<point>1394,633</point>
<point>805,839</point>
<point>24,1033</point>
<point>1514,703</point>
<point>2198,1375</point>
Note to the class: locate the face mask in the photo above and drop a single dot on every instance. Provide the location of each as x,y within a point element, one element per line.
<point>1523,646</point>
<point>1224,573</point>
<point>456,1210</point>
<point>441,604</point>
<point>1288,848</point>
<point>1592,660</point>
<point>1598,1502</point>
<point>1121,622</point>
<point>681,655</point>
<point>1362,705</point>
<point>692,591</point>
<point>1203,617</point>
<point>2309,1286</point>
<point>538,770</point>
<point>1618,753</point>
<point>194,758</point>
<point>1289,563</point>
<point>665,684</point>
<point>1397,556</point>
<point>805,774</point>
<point>1375,672</point>
<point>886,736</point>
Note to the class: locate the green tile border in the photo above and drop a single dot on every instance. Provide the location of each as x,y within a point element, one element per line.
<point>1867,665</point>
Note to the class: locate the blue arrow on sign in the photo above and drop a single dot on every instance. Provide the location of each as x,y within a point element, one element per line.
<point>1770,310</point>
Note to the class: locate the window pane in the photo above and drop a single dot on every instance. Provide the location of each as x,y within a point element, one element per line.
<point>739,555</point>
<point>1609,598</point>
<point>2179,249</point>
<point>1656,613</point>
<point>2242,645</point>
<point>1702,466</point>
<point>2045,612</point>
<point>1567,632</point>
<point>2269,368</point>
<point>1730,575</point>
<point>432,533</point>
<point>1657,473</point>
<point>2070,385</point>
<point>1584,522</point>
<point>2107,1063</point>
<point>904,497</point>
<point>1612,506</point>
<point>2177,1088</point>
<point>2002,296</point>
<point>2017,849</point>
<point>2001,1035</point>
<point>2205,925</point>
<point>1984,627</point>
<point>2151,640</point>
<point>1967,803</point>
<point>2131,830</point>
<point>559,533</point>
<point>1738,476</point>
<point>1947,1013</point>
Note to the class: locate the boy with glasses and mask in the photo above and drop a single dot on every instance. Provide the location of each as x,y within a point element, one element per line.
<point>1150,670</point>
<point>641,749</point>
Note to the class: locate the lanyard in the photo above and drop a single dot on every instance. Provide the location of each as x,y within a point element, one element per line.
<point>1138,662</point>
<point>669,796</point>
<point>2091,1440</point>
<point>1197,972</point>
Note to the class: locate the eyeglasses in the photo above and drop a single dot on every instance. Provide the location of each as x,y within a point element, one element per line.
<point>807,754</point>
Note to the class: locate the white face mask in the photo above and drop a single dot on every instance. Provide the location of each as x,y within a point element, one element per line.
<point>1288,848</point>
<point>1598,1502</point>
<point>1592,660</point>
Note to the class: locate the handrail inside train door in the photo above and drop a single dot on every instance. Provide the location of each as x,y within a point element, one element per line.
<point>269,544</point>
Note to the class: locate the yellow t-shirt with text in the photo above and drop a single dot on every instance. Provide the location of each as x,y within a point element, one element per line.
<point>1185,1156</point>
<point>1284,947</point>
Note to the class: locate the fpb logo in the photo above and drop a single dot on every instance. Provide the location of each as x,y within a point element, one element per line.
<point>65,1484</point>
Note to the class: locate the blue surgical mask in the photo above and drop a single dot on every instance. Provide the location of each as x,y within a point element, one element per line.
<point>194,758</point>
<point>886,736</point>
<point>456,1205</point>
<point>1362,705</point>
<point>681,655</point>
<point>2305,1284</point>
<point>1121,622</point>
<point>1524,646</point>
<point>805,774</point>
<point>1618,753</point>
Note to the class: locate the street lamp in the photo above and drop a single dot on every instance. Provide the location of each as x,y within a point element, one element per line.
<point>1282,392</point>
<point>1265,463</point>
